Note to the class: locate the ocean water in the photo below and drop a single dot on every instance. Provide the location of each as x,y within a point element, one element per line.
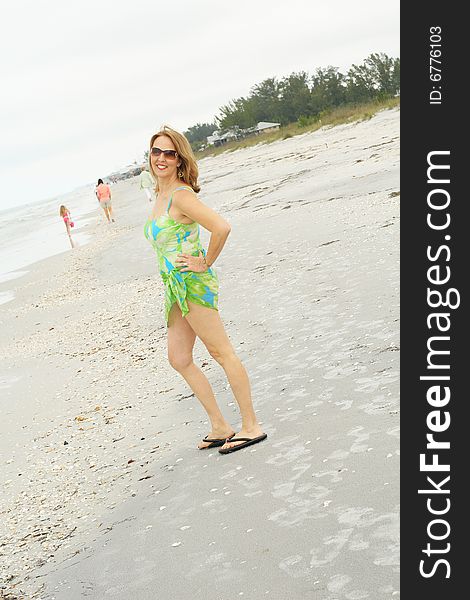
<point>35,231</point>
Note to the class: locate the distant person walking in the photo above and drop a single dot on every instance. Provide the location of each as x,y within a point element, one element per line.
<point>103,193</point>
<point>147,183</point>
<point>65,214</point>
<point>191,286</point>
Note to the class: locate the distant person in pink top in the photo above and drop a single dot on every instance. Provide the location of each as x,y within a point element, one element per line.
<point>103,193</point>
<point>65,214</point>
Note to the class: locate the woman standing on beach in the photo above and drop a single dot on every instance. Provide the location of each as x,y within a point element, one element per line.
<point>191,286</point>
<point>103,193</point>
<point>147,184</point>
<point>65,214</point>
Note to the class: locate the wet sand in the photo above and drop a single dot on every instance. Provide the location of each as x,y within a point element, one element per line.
<point>106,495</point>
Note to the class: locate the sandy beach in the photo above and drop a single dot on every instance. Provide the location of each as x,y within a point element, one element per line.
<point>105,494</point>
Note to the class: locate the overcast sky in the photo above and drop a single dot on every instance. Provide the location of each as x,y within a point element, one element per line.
<point>86,83</point>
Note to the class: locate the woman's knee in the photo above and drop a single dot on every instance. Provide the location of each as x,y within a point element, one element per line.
<point>223,355</point>
<point>180,361</point>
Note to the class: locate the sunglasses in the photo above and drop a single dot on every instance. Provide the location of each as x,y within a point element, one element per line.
<point>167,153</point>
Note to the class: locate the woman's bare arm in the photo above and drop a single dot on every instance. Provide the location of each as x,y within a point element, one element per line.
<point>189,205</point>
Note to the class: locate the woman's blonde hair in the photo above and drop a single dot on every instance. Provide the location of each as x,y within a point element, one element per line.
<point>63,210</point>
<point>188,167</point>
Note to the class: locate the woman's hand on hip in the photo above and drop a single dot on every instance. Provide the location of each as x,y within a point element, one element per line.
<point>188,262</point>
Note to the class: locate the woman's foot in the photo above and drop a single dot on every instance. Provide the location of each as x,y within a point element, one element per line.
<point>253,433</point>
<point>216,434</point>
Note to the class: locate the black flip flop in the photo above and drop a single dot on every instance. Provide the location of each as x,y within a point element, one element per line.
<point>215,442</point>
<point>246,442</point>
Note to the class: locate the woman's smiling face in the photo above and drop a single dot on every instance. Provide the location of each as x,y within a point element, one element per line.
<point>164,164</point>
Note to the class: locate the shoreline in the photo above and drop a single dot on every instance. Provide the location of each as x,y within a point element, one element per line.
<point>106,431</point>
<point>12,279</point>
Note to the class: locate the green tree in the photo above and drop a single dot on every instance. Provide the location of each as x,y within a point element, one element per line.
<point>295,97</point>
<point>198,133</point>
<point>378,76</point>
<point>328,89</point>
<point>385,73</point>
<point>236,112</point>
<point>265,99</point>
<point>300,96</point>
<point>262,104</point>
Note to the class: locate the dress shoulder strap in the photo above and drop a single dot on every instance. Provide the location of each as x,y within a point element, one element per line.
<point>181,187</point>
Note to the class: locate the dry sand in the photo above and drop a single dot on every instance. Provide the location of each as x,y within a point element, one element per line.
<point>105,494</point>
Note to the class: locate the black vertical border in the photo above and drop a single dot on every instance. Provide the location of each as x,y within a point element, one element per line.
<point>425,128</point>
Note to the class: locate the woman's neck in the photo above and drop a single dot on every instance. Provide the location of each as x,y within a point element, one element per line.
<point>166,186</point>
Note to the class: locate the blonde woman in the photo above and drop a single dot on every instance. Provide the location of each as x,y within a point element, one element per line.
<point>191,286</point>
<point>65,214</point>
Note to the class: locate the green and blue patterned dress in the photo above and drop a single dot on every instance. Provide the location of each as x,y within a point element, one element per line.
<point>170,238</point>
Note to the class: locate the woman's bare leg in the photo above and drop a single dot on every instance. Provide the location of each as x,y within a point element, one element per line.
<point>106,212</point>
<point>69,233</point>
<point>181,340</point>
<point>207,325</point>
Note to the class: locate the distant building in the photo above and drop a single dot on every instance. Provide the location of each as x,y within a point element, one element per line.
<point>218,138</point>
<point>214,139</point>
<point>263,127</point>
<point>125,173</point>
<point>235,133</point>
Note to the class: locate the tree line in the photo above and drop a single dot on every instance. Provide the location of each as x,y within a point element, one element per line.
<point>302,97</point>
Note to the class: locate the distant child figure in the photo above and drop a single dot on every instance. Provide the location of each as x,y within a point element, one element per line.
<point>147,184</point>
<point>65,214</point>
<point>103,193</point>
